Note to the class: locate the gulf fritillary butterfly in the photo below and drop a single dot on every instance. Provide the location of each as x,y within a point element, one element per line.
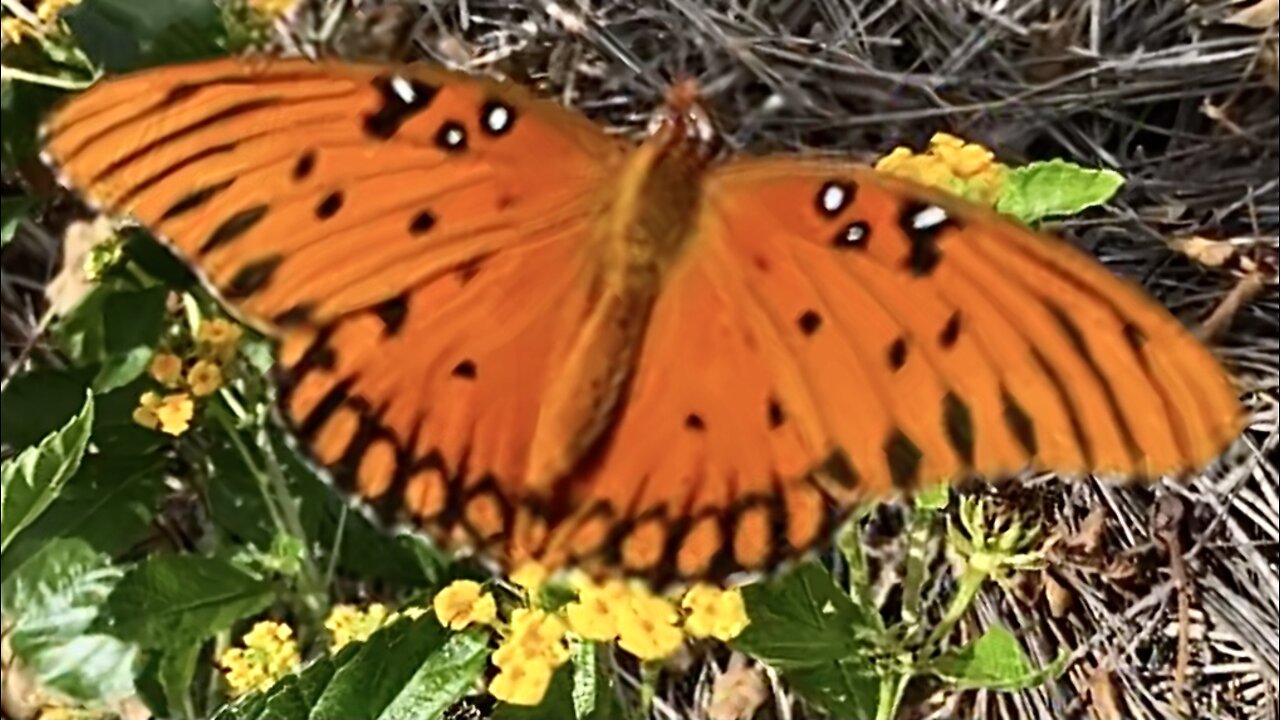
<point>495,318</point>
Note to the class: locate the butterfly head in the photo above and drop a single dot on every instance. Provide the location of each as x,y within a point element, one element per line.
<point>682,125</point>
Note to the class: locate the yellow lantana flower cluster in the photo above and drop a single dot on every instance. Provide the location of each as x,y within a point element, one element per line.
<point>16,29</point>
<point>198,375</point>
<point>966,169</point>
<point>347,623</point>
<point>535,642</point>
<point>269,653</point>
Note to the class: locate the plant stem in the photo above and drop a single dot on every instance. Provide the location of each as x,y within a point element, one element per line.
<point>13,73</point>
<point>892,688</point>
<point>970,583</point>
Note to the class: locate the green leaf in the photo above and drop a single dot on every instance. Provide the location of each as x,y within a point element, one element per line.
<point>1054,188</point>
<point>12,210</point>
<point>123,35</point>
<point>442,679</point>
<point>385,664</point>
<point>53,600</point>
<point>847,688</point>
<point>39,402</point>
<point>21,107</point>
<point>801,618</point>
<point>132,324</point>
<point>31,481</point>
<point>171,600</point>
<point>237,506</point>
<point>108,503</point>
<point>994,661</point>
<point>177,668</point>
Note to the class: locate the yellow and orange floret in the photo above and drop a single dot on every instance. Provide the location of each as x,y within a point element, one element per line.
<point>963,168</point>
<point>186,378</point>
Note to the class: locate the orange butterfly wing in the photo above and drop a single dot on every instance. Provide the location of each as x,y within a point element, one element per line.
<point>403,232</point>
<point>832,333</point>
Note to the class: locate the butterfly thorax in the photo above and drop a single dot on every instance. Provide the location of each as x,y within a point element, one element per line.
<point>650,217</point>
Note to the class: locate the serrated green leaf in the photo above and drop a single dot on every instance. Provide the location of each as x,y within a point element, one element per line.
<point>32,480</point>
<point>170,600</point>
<point>367,685</point>
<point>1055,188</point>
<point>13,210</point>
<point>123,35</point>
<point>53,600</point>
<point>994,661</point>
<point>108,503</point>
<point>442,679</point>
<point>847,688</point>
<point>800,618</point>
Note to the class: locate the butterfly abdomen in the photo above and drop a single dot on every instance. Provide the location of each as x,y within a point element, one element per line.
<point>648,222</point>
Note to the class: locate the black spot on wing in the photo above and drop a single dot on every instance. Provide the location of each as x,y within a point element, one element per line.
<point>422,222</point>
<point>330,205</point>
<point>1019,423</point>
<point>897,354</point>
<point>694,421</point>
<point>951,331</point>
<point>903,458</point>
<point>196,199</point>
<point>392,313</point>
<point>232,228</point>
<point>305,165</point>
<point>776,414</point>
<point>252,277</point>
<point>401,99</point>
<point>466,370</point>
<point>923,224</point>
<point>959,426</point>
<point>809,322</point>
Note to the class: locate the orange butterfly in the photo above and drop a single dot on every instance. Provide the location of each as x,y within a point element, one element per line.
<point>493,317</point>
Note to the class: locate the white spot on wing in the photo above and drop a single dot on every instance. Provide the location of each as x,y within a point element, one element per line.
<point>834,197</point>
<point>498,119</point>
<point>453,137</point>
<point>928,218</point>
<point>403,89</point>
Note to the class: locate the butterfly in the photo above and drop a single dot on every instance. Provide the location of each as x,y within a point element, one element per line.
<point>499,323</point>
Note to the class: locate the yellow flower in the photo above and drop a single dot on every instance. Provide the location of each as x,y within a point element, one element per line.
<point>204,378</point>
<point>145,413</point>
<point>14,30</point>
<point>647,626</point>
<point>174,413</point>
<point>219,337</point>
<point>49,10</point>
<point>166,368</point>
<point>966,169</point>
<point>347,623</point>
<point>530,576</point>
<point>533,648</point>
<point>463,602</point>
<point>533,635</point>
<point>269,653</point>
<point>522,684</point>
<point>713,612</point>
<point>272,8</point>
<point>594,616</point>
